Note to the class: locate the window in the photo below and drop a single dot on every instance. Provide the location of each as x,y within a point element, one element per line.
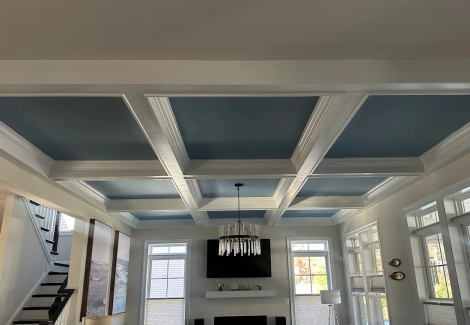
<point>67,223</point>
<point>437,267</point>
<point>310,273</point>
<point>466,205</point>
<point>166,284</point>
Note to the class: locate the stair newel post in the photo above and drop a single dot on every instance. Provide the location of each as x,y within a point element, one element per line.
<point>56,232</point>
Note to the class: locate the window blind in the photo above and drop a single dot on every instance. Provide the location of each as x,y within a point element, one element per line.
<point>440,314</point>
<point>167,278</point>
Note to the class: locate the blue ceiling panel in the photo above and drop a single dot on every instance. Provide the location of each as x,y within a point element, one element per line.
<point>77,128</point>
<point>309,213</point>
<point>234,214</point>
<point>347,186</point>
<point>401,126</point>
<point>136,189</point>
<point>162,215</point>
<point>254,187</point>
<point>242,127</point>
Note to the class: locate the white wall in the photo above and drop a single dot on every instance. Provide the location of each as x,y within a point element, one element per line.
<point>394,237</point>
<point>200,307</point>
<point>65,247</point>
<point>24,262</point>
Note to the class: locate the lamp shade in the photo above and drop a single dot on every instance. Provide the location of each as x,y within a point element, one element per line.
<point>98,320</point>
<point>330,297</point>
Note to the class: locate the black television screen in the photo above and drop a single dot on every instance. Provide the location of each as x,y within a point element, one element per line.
<point>238,266</point>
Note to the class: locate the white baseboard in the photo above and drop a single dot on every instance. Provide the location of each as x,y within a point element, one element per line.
<point>27,298</point>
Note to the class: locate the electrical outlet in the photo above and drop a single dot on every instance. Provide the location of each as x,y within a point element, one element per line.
<point>287,301</point>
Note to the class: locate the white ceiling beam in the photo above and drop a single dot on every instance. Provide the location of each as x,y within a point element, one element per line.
<point>231,204</point>
<point>356,167</point>
<point>327,202</point>
<point>329,118</point>
<point>142,205</point>
<point>155,117</point>
<point>89,170</point>
<point>239,168</point>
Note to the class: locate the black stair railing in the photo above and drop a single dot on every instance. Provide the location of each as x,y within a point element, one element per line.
<point>67,295</point>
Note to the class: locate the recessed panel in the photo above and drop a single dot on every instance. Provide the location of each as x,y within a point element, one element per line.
<point>77,128</point>
<point>309,213</point>
<point>347,186</point>
<point>401,126</point>
<point>242,127</point>
<point>234,214</point>
<point>162,215</point>
<point>254,187</point>
<point>136,189</point>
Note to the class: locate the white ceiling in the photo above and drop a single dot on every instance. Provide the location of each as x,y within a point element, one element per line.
<point>234,30</point>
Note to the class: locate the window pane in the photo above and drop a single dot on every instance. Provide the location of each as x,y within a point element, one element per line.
<point>466,205</point>
<point>435,250</point>
<point>359,262</point>
<point>300,247</point>
<point>378,261</point>
<point>440,281</point>
<point>316,247</point>
<point>67,223</point>
<point>383,302</point>
<point>164,312</point>
<point>318,265</point>
<point>301,265</point>
<point>319,283</point>
<point>175,288</point>
<point>303,285</point>
<point>158,288</point>
<point>160,250</point>
<point>159,269</point>
<point>176,269</point>
<point>178,249</point>
<point>430,218</point>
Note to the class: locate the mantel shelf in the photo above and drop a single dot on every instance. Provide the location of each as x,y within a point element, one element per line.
<point>241,294</point>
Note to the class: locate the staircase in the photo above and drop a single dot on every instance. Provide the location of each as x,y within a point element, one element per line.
<point>52,292</point>
<point>38,310</point>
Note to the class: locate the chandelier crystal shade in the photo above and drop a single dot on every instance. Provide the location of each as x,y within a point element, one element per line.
<point>239,238</point>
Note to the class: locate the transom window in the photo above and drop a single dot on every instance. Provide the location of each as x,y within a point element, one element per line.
<point>427,216</point>
<point>67,223</point>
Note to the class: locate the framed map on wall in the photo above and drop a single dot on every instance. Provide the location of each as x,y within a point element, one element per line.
<point>120,269</point>
<point>95,286</point>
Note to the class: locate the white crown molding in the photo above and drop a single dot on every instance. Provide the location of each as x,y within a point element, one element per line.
<point>231,204</point>
<point>239,168</point>
<point>281,190</point>
<point>167,120</point>
<point>166,224</point>
<point>142,205</point>
<point>87,192</point>
<point>327,202</point>
<point>127,218</point>
<point>90,170</point>
<point>449,149</point>
<point>20,148</point>
<point>353,167</point>
<point>344,215</point>
<point>306,222</point>
<point>329,118</point>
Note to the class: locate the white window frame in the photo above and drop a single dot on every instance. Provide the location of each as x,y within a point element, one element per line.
<point>330,261</point>
<point>145,273</point>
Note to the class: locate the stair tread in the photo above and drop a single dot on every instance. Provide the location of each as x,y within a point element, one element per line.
<point>34,203</point>
<point>47,295</point>
<point>39,216</point>
<point>54,253</point>
<point>45,229</point>
<point>37,308</point>
<point>29,321</point>
<point>50,241</point>
<point>61,264</point>
<point>58,273</point>
<point>51,283</point>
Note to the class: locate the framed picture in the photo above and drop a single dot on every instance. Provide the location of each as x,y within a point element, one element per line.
<point>95,286</point>
<point>120,269</point>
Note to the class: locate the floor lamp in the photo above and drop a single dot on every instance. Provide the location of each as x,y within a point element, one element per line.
<point>330,298</point>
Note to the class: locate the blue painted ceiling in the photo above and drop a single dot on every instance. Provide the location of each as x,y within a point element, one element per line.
<point>309,213</point>
<point>136,189</point>
<point>261,187</point>
<point>347,186</point>
<point>77,128</point>
<point>242,128</point>
<point>401,126</point>
<point>234,214</point>
<point>162,215</point>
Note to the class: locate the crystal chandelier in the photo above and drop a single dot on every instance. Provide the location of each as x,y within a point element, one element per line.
<point>239,238</point>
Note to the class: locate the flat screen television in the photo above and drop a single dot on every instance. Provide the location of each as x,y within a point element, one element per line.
<point>238,266</point>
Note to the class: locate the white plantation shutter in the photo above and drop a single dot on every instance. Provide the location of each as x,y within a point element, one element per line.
<point>166,284</point>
